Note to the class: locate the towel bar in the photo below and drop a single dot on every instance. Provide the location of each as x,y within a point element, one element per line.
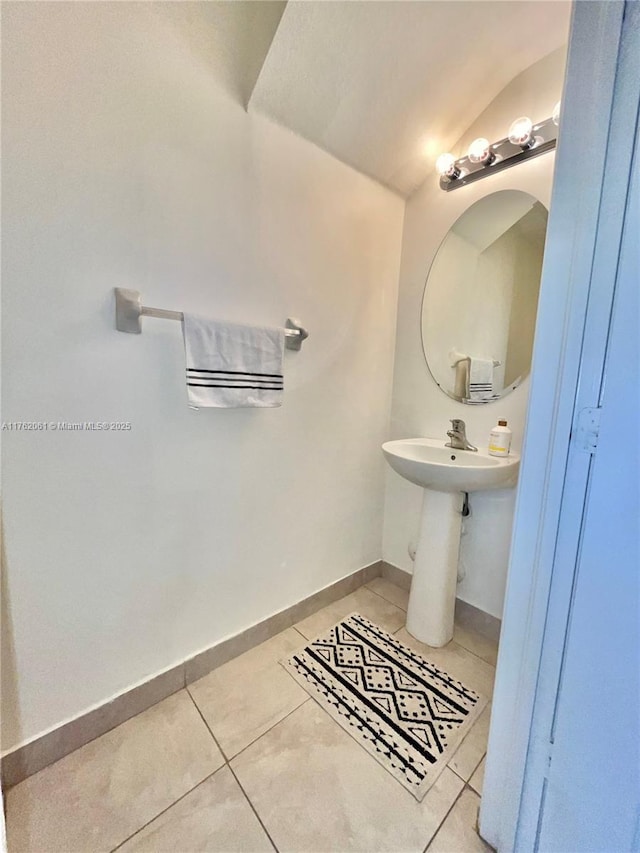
<point>456,357</point>
<point>129,310</point>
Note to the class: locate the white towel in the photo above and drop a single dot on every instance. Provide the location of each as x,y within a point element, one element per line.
<point>232,366</point>
<point>481,379</point>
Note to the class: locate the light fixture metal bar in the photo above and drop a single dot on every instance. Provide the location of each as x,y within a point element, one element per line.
<point>507,155</point>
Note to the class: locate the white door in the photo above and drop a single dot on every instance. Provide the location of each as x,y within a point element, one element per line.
<point>563,766</point>
<point>591,796</point>
<point>582,780</point>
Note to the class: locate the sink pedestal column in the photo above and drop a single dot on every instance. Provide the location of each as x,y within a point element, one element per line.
<point>435,572</point>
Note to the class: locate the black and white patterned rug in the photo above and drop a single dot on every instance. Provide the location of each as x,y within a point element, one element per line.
<point>406,712</point>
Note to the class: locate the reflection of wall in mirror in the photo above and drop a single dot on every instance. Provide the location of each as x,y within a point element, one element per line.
<point>526,287</point>
<point>447,318</point>
<point>509,274</point>
<point>494,286</point>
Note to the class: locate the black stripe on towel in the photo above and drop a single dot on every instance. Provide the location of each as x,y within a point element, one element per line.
<point>232,381</point>
<point>232,387</point>
<point>234,372</point>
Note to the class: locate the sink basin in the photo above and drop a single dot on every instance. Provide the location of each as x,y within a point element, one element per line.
<point>428,463</point>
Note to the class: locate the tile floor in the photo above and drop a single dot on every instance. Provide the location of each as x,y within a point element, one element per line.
<point>243,760</point>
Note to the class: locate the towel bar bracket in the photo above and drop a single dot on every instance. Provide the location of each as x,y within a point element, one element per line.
<point>295,334</point>
<point>130,310</point>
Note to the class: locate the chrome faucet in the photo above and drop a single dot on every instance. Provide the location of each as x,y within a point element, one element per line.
<point>458,436</point>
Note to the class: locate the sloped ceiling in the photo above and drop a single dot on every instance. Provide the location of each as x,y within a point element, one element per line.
<point>230,39</point>
<point>387,86</point>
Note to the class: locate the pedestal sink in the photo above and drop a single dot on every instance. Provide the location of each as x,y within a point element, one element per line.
<point>444,474</point>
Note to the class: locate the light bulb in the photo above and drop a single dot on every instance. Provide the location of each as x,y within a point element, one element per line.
<point>555,117</point>
<point>446,166</point>
<point>480,152</point>
<point>521,132</point>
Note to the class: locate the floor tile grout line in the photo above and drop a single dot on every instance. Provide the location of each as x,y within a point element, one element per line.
<point>449,810</point>
<point>227,763</point>
<point>224,764</point>
<point>453,770</point>
<point>471,652</point>
<point>7,788</point>
<point>202,717</point>
<point>466,781</point>
<point>175,802</point>
<point>464,648</point>
<point>228,760</point>
<point>271,728</point>
<point>384,598</point>
<point>464,788</point>
<point>476,767</point>
<point>476,825</point>
<point>363,586</point>
<point>301,634</point>
<point>253,808</point>
<point>479,793</point>
<point>459,747</point>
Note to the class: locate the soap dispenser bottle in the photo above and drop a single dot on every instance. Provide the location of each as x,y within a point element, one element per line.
<point>500,440</point>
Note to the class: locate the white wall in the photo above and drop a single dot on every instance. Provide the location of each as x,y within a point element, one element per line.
<point>419,408</point>
<point>129,161</point>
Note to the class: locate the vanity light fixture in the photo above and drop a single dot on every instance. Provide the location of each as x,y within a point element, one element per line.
<point>524,140</point>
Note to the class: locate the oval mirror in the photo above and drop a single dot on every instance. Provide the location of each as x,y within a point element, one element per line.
<point>481,298</point>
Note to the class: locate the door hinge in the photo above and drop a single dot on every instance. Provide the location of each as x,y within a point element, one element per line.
<point>588,429</point>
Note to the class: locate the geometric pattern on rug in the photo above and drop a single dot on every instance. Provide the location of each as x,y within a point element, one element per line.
<point>405,711</point>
